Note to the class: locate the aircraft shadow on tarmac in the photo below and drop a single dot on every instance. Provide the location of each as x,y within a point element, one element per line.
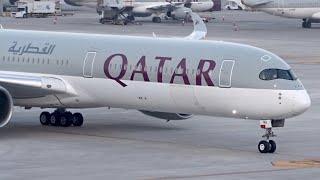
<point>21,130</point>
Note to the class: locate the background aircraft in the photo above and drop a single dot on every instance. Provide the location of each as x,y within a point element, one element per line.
<point>173,9</point>
<point>114,9</point>
<point>308,10</point>
<point>8,3</point>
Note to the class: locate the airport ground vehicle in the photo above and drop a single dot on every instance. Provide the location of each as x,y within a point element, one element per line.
<point>115,11</point>
<point>35,9</point>
<point>232,5</point>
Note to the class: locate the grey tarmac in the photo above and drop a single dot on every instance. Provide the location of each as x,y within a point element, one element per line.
<point>125,144</point>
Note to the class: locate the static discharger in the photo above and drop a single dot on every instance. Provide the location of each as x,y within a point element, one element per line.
<point>307,163</point>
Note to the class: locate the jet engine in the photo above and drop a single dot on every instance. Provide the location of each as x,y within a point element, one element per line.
<point>255,3</point>
<point>6,106</point>
<point>167,116</point>
<point>180,13</point>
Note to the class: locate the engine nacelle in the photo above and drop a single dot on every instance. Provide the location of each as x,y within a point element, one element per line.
<point>167,116</point>
<point>316,16</point>
<point>255,3</point>
<point>6,106</point>
<point>180,13</point>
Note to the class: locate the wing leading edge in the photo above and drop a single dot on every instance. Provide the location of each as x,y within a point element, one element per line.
<point>32,86</point>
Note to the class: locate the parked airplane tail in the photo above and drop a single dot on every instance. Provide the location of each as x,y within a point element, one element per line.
<point>216,5</point>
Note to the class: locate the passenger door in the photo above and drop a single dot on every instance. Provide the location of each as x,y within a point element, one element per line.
<point>88,64</point>
<point>225,75</point>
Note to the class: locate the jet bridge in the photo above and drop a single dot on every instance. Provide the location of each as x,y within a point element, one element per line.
<point>115,11</point>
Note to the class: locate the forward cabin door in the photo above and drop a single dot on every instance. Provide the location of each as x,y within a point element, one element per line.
<point>225,75</point>
<point>88,64</point>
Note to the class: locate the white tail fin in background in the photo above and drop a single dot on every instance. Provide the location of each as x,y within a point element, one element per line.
<point>200,29</point>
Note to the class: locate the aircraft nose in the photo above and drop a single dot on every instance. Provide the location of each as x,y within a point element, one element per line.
<point>302,102</point>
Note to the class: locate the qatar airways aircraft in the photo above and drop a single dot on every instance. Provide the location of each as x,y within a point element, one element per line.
<point>307,10</point>
<point>168,78</point>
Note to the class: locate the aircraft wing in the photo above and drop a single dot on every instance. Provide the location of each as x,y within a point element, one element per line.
<point>164,7</point>
<point>200,29</point>
<point>31,86</point>
<point>255,3</point>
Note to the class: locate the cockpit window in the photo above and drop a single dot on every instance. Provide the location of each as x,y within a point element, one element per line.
<point>272,74</point>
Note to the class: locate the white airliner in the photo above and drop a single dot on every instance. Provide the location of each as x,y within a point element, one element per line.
<point>173,9</point>
<point>168,78</point>
<point>176,9</point>
<point>307,10</point>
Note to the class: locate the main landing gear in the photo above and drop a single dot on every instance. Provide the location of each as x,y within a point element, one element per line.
<point>306,23</point>
<point>269,146</point>
<point>60,117</point>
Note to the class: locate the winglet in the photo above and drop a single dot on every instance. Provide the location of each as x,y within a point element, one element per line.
<point>199,27</point>
<point>1,27</point>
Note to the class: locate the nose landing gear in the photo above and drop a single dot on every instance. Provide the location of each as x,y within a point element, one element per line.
<point>269,146</point>
<point>60,117</point>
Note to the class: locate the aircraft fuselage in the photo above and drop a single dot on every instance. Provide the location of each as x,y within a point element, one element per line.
<point>164,75</point>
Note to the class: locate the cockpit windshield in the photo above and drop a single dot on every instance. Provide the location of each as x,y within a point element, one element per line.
<point>272,74</point>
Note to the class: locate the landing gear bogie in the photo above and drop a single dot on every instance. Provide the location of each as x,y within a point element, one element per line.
<point>307,23</point>
<point>61,118</point>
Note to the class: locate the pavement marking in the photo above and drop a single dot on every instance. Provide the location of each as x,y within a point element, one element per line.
<point>222,174</point>
<point>306,163</point>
